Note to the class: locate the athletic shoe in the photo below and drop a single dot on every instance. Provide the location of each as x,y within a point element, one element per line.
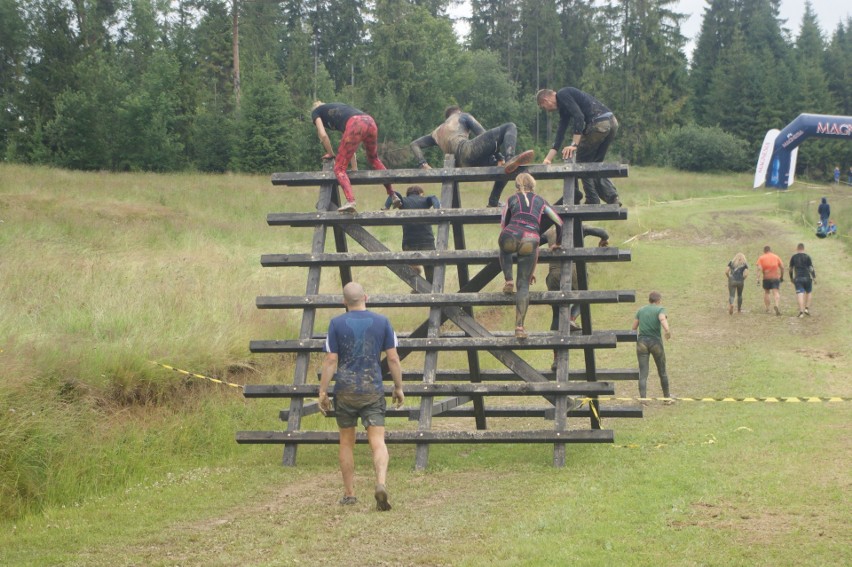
<point>777,311</point>
<point>494,206</point>
<point>349,207</point>
<point>522,158</point>
<point>801,314</point>
<point>807,312</point>
<point>348,501</point>
<point>573,326</point>
<point>520,333</point>
<point>508,288</point>
<point>730,309</point>
<point>382,504</point>
<point>396,202</point>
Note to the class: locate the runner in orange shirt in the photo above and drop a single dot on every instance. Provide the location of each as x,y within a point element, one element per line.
<point>772,272</point>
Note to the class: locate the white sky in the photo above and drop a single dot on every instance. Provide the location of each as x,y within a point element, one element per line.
<point>829,14</point>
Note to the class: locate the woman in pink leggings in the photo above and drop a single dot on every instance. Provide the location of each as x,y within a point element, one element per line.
<point>357,127</point>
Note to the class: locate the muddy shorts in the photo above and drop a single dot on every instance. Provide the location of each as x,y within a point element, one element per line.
<point>804,285</point>
<point>369,407</point>
<point>771,284</point>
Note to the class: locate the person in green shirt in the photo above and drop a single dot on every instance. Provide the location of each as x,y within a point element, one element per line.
<point>649,321</point>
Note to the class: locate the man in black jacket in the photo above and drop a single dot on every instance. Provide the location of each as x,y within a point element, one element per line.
<point>594,127</point>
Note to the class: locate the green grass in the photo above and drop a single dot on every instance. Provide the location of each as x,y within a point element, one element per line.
<point>106,459</point>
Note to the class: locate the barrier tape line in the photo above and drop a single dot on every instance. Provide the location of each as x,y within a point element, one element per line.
<point>789,399</point>
<point>771,400</point>
<point>194,375</point>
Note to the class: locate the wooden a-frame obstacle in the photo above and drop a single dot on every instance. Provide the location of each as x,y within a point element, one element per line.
<point>463,393</point>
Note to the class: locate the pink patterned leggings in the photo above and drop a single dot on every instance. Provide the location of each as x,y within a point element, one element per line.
<point>361,128</point>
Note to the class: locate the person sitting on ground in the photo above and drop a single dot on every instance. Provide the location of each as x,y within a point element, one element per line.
<point>357,127</point>
<point>737,272</point>
<point>520,234</point>
<point>415,235</point>
<point>483,150</point>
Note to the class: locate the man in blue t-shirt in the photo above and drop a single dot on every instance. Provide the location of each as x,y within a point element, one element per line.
<point>649,320</point>
<point>353,349</point>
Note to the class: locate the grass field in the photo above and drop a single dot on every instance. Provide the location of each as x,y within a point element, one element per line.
<point>107,459</point>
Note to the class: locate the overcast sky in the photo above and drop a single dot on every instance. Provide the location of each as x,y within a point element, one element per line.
<point>829,14</point>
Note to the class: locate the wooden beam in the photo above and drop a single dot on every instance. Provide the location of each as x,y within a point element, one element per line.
<point>436,257</point>
<point>616,374</point>
<point>424,389</point>
<point>443,299</point>
<point>332,437</point>
<point>433,216</point>
<point>458,174</point>
<point>543,412</point>
<point>547,341</point>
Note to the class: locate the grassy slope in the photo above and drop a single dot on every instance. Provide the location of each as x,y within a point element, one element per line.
<point>691,484</point>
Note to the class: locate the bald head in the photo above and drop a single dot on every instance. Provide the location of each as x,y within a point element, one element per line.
<point>354,295</point>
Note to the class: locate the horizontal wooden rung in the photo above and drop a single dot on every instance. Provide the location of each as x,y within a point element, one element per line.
<point>434,257</point>
<point>440,175</point>
<point>434,216</point>
<point>446,299</point>
<point>445,389</point>
<point>502,375</point>
<point>487,436</point>
<point>543,412</point>
<point>545,341</point>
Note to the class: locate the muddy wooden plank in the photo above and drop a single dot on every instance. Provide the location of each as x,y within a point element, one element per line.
<point>332,437</point>
<point>436,257</point>
<point>543,412</point>
<point>433,216</point>
<point>457,299</point>
<point>444,389</point>
<point>548,341</point>
<point>458,174</point>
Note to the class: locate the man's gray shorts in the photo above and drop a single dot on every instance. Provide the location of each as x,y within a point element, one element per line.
<point>369,407</point>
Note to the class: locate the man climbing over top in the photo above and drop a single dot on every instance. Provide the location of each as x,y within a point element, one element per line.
<point>483,150</point>
<point>594,127</point>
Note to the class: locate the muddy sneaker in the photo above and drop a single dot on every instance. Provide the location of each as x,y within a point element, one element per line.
<point>522,158</point>
<point>349,207</point>
<point>520,333</point>
<point>730,309</point>
<point>348,501</point>
<point>509,288</point>
<point>382,504</point>
<point>396,202</point>
<point>777,311</point>
<point>574,326</point>
<point>801,314</point>
<point>807,312</point>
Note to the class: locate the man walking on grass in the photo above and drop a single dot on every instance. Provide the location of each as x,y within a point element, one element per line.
<point>772,271</point>
<point>353,349</point>
<point>803,276</point>
<point>649,320</point>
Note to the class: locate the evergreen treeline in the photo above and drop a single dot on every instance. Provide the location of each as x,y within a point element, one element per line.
<point>217,85</point>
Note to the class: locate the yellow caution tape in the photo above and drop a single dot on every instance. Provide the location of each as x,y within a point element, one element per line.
<point>771,400</point>
<point>194,375</point>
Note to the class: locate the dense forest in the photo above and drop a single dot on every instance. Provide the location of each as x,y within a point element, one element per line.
<point>216,85</point>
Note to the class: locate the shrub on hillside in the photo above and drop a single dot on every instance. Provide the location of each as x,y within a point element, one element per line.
<point>697,148</point>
